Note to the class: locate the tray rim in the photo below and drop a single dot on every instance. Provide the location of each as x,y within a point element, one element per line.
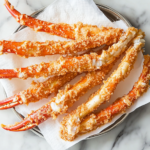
<point>36,130</point>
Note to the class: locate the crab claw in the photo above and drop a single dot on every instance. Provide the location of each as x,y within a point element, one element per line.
<point>24,125</point>
<point>32,120</point>
<point>10,102</point>
<point>63,30</point>
<point>11,9</point>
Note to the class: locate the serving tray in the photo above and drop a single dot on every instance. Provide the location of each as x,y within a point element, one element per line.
<point>111,14</point>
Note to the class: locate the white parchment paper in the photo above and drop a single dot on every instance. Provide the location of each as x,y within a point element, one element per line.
<point>67,11</point>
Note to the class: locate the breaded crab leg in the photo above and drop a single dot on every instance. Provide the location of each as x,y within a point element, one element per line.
<point>74,31</point>
<point>63,30</point>
<point>71,123</point>
<point>62,102</point>
<point>120,105</point>
<point>88,62</point>
<point>106,36</point>
<point>37,91</point>
<point>64,99</point>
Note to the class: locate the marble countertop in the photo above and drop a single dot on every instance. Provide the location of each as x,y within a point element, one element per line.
<point>133,133</point>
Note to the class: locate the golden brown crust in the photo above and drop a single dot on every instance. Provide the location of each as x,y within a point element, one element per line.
<point>86,37</point>
<point>66,98</point>
<point>26,49</point>
<point>87,62</point>
<point>120,105</point>
<point>72,120</point>
<point>40,90</point>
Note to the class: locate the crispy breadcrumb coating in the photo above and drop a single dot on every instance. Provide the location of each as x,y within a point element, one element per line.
<point>40,90</point>
<point>107,35</point>
<point>64,99</point>
<point>120,105</point>
<point>71,123</point>
<point>87,62</point>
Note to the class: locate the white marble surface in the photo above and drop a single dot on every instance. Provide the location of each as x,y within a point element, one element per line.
<point>133,133</point>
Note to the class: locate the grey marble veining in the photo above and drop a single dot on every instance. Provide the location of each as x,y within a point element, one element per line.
<point>136,11</point>
<point>133,133</point>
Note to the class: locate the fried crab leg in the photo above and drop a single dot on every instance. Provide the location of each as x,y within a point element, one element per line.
<point>88,62</point>
<point>37,91</point>
<point>71,123</point>
<point>64,99</point>
<point>26,49</point>
<point>120,105</point>
<point>63,30</point>
<point>74,31</point>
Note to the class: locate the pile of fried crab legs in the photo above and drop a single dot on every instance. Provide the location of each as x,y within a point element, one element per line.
<point>96,65</point>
